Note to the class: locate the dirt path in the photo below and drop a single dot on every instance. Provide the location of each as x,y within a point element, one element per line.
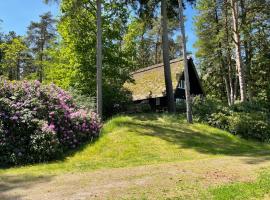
<point>182,180</point>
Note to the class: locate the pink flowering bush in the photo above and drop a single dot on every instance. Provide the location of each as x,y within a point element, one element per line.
<point>38,123</point>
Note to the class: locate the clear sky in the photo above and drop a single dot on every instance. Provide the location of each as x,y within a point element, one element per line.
<point>190,32</point>
<point>17,15</point>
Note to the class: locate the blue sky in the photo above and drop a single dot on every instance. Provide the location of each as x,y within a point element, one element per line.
<point>190,32</point>
<point>17,15</point>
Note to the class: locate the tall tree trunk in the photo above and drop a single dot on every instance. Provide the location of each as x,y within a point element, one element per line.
<point>228,54</point>
<point>99,60</point>
<point>224,69</point>
<point>229,61</point>
<point>40,70</point>
<point>156,53</point>
<point>237,42</point>
<point>235,87</point>
<point>187,83</point>
<point>247,48</point>
<point>166,59</point>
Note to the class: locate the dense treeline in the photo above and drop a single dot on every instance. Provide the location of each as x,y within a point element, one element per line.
<point>234,49</point>
<point>24,57</point>
<point>64,51</point>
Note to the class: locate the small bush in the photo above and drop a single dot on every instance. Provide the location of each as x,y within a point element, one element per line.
<point>203,108</point>
<point>38,123</point>
<point>250,125</point>
<point>83,101</point>
<point>219,120</point>
<point>248,120</point>
<point>180,106</point>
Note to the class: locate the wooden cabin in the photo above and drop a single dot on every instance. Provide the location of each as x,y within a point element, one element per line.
<point>149,84</point>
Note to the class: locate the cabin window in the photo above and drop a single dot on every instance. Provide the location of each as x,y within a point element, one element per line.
<point>182,84</point>
<point>157,101</point>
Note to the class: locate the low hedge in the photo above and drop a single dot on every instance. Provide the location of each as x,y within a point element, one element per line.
<point>38,123</point>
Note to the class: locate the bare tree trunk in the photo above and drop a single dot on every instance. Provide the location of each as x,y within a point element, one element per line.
<point>187,83</point>
<point>227,87</point>
<point>40,66</point>
<point>228,54</point>
<point>237,42</point>
<point>166,59</point>
<point>223,64</point>
<point>235,87</point>
<point>99,60</point>
<point>248,50</point>
<point>230,78</point>
<point>156,53</point>
<point>18,70</point>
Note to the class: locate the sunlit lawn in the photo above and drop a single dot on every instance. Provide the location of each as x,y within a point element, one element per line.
<point>150,139</point>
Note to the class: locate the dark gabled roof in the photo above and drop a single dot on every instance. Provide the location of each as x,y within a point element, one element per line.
<point>149,82</point>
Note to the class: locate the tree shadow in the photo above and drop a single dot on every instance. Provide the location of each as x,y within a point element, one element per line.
<point>9,183</point>
<point>60,158</point>
<point>201,139</point>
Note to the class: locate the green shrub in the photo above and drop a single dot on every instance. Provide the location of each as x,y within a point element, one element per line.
<point>203,108</point>
<point>180,106</point>
<point>248,120</point>
<point>219,120</point>
<point>248,107</point>
<point>83,101</point>
<point>44,144</point>
<point>250,125</point>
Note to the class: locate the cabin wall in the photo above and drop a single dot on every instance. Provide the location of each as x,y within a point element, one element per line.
<point>195,86</point>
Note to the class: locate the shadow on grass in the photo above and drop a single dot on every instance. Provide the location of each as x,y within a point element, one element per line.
<point>200,139</point>
<point>9,184</point>
<point>60,158</point>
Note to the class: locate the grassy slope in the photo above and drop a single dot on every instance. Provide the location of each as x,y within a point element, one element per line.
<point>152,139</point>
<point>148,139</point>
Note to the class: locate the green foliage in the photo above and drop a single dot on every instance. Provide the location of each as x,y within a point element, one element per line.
<point>39,37</point>
<point>61,69</point>
<point>83,101</point>
<point>44,144</point>
<point>144,40</point>
<point>115,100</point>
<point>216,48</point>
<point>13,57</point>
<point>250,125</point>
<point>249,120</point>
<point>181,106</point>
<point>72,62</point>
<point>203,108</point>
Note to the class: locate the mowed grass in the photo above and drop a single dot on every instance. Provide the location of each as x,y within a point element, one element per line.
<point>258,189</point>
<point>179,161</point>
<point>147,139</point>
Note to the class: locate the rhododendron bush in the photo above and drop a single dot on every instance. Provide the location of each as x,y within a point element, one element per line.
<point>38,123</point>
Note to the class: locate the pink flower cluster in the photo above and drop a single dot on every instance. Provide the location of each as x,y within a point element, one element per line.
<point>24,105</point>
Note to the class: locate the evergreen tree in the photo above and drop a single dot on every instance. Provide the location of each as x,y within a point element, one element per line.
<point>39,36</point>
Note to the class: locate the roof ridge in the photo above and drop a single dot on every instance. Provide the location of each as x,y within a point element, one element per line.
<point>156,66</point>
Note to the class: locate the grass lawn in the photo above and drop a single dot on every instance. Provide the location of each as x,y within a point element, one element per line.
<point>149,156</point>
